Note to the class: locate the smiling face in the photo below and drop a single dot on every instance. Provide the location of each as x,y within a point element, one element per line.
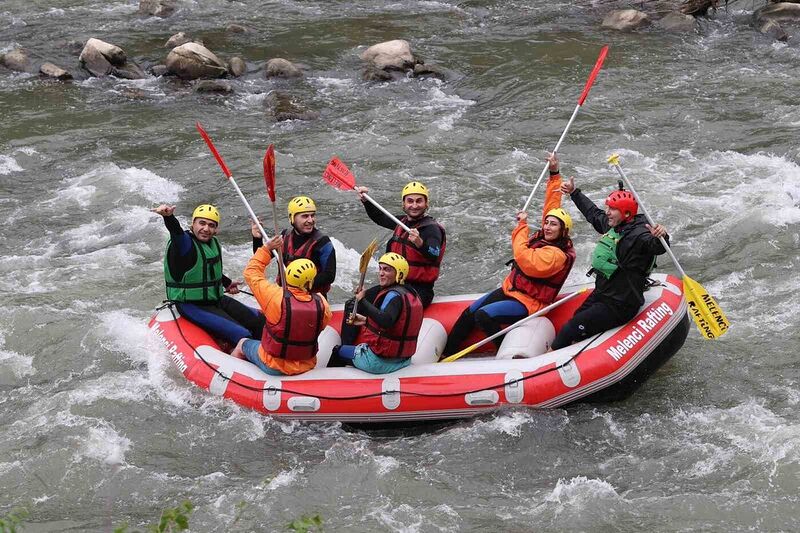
<point>204,229</point>
<point>304,223</point>
<point>386,275</point>
<point>615,216</point>
<point>415,205</point>
<point>552,228</point>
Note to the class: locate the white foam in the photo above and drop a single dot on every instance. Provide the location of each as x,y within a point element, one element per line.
<point>16,364</point>
<point>386,464</point>
<point>285,478</point>
<point>580,491</point>
<point>106,445</point>
<point>8,165</point>
<point>347,261</point>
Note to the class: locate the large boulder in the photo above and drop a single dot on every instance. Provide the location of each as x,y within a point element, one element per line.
<point>780,12</point>
<point>103,59</point>
<point>677,22</point>
<point>390,55</point>
<point>192,61</point>
<point>49,70</point>
<point>177,40</point>
<point>277,67</point>
<point>16,60</point>
<point>772,29</point>
<point>158,8</point>
<point>236,67</point>
<point>626,20</point>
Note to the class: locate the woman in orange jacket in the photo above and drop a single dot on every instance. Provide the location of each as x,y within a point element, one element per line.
<point>539,269</point>
<point>287,346</point>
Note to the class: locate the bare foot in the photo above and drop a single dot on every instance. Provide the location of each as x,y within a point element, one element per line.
<point>237,352</point>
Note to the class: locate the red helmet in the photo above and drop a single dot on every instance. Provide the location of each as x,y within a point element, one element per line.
<point>623,201</point>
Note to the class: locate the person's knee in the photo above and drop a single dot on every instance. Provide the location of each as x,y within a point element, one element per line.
<point>484,320</point>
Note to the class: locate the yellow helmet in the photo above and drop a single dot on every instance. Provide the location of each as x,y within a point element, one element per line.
<point>398,263</point>
<point>561,215</point>
<point>206,211</point>
<point>300,204</point>
<point>415,187</point>
<point>301,273</point>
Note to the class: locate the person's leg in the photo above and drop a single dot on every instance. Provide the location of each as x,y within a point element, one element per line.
<point>592,317</point>
<point>492,317</point>
<point>249,317</point>
<point>368,361</point>
<point>425,293</point>
<point>464,325</point>
<point>249,348</point>
<point>342,356</point>
<point>215,321</point>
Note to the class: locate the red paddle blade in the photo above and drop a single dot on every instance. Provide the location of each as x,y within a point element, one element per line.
<point>339,176</point>
<point>213,149</point>
<point>269,172</point>
<point>597,66</point>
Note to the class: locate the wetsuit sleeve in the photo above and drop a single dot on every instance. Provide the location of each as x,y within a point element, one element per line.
<point>593,214</point>
<point>181,255</point>
<point>651,245</point>
<point>325,259</point>
<point>265,292</point>
<point>431,236</point>
<point>537,262</point>
<point>389,312</point>
<point>552,195</point>
<point>258,242</point>
<point>379,217</point>
<point>225,281</point>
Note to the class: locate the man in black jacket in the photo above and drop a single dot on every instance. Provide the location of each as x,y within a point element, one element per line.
<point>621,262</point>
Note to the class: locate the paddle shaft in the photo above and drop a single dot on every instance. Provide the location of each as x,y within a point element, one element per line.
<point>649,218</point>
<point>547,164</point>
<point>517,324</point>
<point>361,279</point>
<point>384,211</point>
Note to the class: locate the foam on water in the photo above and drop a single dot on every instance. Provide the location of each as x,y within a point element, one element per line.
<point>106,445</point>
<point>285,478</point>
<point>13,363</point>
<point>8,165</point>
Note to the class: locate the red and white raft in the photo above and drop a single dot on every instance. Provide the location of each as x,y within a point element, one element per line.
<point>603,368</point>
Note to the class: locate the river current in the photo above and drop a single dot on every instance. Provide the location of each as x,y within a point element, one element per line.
<point>98,427</point>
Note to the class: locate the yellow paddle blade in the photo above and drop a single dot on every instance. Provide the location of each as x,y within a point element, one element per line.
<point>708,316</point>
<point>459,355</point>
<point>369,251</point>
<point>613,159</point>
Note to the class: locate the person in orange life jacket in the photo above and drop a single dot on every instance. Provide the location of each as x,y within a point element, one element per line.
<point>423,247</point>
<point>295,316</point>
<point>194,278</point>
<point>540,267</point>
<point>304,240</point>
<point>391,323</point>
<point>621,262</point>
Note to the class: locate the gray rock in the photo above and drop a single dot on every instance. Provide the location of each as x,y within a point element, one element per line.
<point>17,60</point>
<point>177,40</point>
<point>129,71</point>
<point>625,20</point>
<point>213,86</point>
<point>158,8</point>
<point>282,107</point>
<point>373,73</point>
<point>772,29</point>
<point>102,59</point>
<point>278,67</point>
<point>158,70</point>
<point>236,67</point>
<point>74,46</point>
<point>191,61</point>
<point>389,55</point>
<point>422,70</point>
<point>50,70</point>
<point>780,12</point>
<point>237,28</point>
<point>677,22</point>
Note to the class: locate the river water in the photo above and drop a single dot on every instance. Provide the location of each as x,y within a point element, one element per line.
<point>99,429</point>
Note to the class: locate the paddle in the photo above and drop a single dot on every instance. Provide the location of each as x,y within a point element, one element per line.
<point>540,312</point>
<point>363,263</point>
<point>229,175</point>
<point>339,177</point>
<point>708,316</point>
<point>598,64</point>
<point>269,181</point>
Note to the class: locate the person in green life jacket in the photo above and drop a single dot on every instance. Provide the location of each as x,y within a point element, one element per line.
<point>194,278</point>
<point>621,262</point>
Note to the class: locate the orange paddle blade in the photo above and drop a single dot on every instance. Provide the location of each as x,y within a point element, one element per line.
<point>269,172</point>
<point>338,175</point>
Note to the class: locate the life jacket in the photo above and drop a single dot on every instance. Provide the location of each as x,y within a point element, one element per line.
<point>304,251</point>
<point>604,255</point>
<point>294,336</point>
<point>421,269</point>
<point>400,340</point>
<point>203,282</point>
<point>543,290</point>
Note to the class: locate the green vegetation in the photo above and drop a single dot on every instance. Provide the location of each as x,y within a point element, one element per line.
<point>304,524</point>
<point>172,519</point>
<point>12,522</point>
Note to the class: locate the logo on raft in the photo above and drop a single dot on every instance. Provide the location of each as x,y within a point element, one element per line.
<point>643,326</point>
<point>172,348</point>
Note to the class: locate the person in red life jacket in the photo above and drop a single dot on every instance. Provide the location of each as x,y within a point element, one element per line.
<point>304,240</point>
<point>391,322</point>
<point>423,247</point>
<point>540,267</point>
<point>295,316</point>
<point>194,278</point>
<point>621,262</point>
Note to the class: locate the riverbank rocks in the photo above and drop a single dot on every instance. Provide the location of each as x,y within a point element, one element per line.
<point>677,23</point>
<point>16,60</point>
<point>768,19</point>
<point>100,58</point>
<point>49,70</point>
<point>281,106</point>
<point>192,61</point>
<point>158,8</point>
<point>236,67</point>
<point>278,67</point>
<point>626,20</point>
<point>390,55</point>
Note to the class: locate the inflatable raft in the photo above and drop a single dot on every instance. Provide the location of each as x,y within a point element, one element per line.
<point>606,367</point>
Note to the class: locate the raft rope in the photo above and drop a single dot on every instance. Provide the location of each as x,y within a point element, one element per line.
<point>170,305</point>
